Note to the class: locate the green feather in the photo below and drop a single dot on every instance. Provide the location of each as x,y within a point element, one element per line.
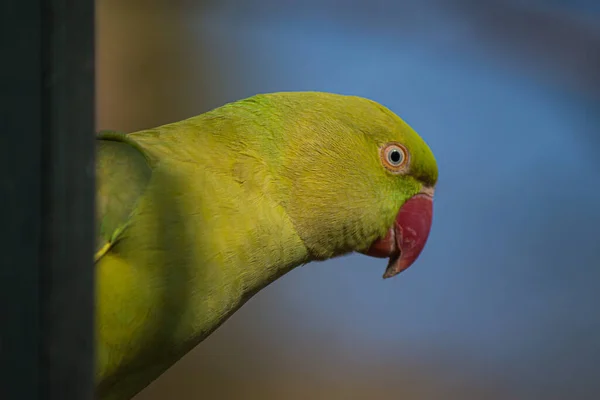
<point>197,216</point>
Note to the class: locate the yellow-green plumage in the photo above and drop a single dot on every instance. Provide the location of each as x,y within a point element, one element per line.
<point>197,216</point>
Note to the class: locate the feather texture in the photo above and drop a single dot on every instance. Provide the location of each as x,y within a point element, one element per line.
<point>197,216</point>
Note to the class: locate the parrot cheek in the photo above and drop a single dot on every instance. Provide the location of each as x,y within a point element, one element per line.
<point>405,241</point>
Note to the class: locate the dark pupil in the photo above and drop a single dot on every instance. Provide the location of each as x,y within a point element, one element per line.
<point>395,156</point>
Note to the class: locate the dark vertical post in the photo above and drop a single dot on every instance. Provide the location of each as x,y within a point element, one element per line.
<point>46,199</point>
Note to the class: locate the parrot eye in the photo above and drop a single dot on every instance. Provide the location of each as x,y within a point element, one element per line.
<point>394,157</point>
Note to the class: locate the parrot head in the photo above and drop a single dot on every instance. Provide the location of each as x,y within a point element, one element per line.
<point>356,177</point>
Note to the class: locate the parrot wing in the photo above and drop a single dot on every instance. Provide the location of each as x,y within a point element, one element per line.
<point>122,175</point>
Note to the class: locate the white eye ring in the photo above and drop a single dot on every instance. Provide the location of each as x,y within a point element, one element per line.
<point>394,157</point>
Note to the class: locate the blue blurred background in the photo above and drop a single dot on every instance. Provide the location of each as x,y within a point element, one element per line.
<point>504,301</point>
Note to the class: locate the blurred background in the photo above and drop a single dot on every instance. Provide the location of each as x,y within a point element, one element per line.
<point>504,301</point>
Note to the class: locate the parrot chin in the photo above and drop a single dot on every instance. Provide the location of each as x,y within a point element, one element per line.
<point>407,237</point>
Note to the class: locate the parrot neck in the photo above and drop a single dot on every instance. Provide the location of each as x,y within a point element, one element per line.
<point>219,240</point>
<point>199,245</point>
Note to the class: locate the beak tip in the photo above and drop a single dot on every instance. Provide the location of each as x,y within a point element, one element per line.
<point>394,267</point>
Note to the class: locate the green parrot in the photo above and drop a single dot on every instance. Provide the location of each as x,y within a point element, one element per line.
<point>195,217</point>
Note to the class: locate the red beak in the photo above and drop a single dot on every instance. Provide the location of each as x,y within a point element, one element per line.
<point>406,239</point>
